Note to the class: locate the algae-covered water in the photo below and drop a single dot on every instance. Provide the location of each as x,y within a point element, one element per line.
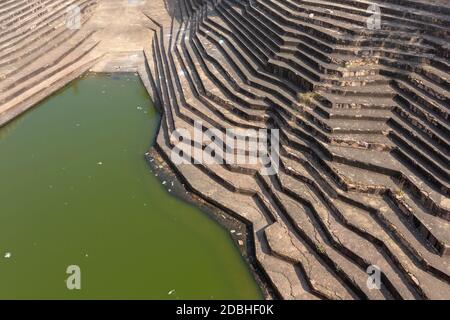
<point>75,190</point>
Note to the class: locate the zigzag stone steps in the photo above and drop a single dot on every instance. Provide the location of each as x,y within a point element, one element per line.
<point>376,170</point>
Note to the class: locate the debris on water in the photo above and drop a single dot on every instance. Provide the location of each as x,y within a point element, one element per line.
<point>169,190</point>
<point>164,182</point>
<point>139,108</point>
<point>171,183</point>
<point>50,187</point>
<point>171,292</point>
<point>103,91</point>
<point>233,231</point>
<point>77,124</point>
<point>145,204</point>
<point>86,255</point>
<point>156,174</point>
<point>8,255</point>
<point>99,163</point>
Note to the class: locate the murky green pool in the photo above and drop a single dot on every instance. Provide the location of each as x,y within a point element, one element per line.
<point>75,190</point>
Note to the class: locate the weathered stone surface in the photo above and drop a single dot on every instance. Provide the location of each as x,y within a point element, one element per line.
<point>362,113</point>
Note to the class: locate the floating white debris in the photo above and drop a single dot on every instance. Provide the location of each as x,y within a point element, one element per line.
<point>139,108</point>
<point>233,231</point>
<point>169,190</point>
<point>100,163</point>
<point>77,124</point>
<point>164,182</point>
<point>86,255</point>
<point>7,255</point>
<point>171,292</point>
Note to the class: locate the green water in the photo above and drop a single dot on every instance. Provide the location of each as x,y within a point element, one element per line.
<point>75,190</point>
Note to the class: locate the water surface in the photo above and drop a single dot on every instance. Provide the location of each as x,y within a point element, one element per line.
<point>75,190</point>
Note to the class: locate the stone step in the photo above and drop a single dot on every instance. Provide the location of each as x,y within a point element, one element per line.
<point>420,139</point>
<point>339,36</point>
<point>32,22</point>
<point>349,102</point>
<point>440,141</point>
<point>51,83</point>
<point>389,13</point>
<point>376,161</point>
<point>70,59</point>
<point>63,37</point>
<point>6,5</point>
<point>351,235</point>
<point>389,220</point>
<point>11,16</point>
<point>33,44</point>
<point>412,95</point>
<point>42,21</point>
<point>35,68</point>
<point>415,153</point>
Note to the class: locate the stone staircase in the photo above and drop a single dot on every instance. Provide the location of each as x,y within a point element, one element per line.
<point>39,53</point>
<point>364,136</point>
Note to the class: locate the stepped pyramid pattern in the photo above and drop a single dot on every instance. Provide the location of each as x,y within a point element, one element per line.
<point>362,114</point>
